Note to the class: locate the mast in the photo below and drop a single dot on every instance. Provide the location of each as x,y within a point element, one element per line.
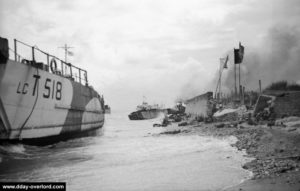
<point>66,48</point>
<point>223,65</point>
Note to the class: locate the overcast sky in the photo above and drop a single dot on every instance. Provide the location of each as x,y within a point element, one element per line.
<point>161,49</point>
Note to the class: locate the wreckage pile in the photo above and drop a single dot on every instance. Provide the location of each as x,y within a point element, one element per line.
<point>240,114</point>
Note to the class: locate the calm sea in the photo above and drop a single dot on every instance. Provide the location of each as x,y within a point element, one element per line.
<point>128,155</point>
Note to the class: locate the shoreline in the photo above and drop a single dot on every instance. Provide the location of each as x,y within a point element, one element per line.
<point>275,151</point>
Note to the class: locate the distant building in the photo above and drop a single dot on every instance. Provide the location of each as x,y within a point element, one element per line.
<point>200,106</point>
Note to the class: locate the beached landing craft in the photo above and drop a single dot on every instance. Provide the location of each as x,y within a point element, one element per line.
<point>44,103</point>
<point>146,111</point>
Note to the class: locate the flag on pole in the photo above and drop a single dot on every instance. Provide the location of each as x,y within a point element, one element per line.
<point>239,54</point>
<point>236,56</point>
<point>70,53</point>
<point>225,63</point>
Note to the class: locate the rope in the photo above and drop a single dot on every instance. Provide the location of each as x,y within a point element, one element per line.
<point>36,98</point>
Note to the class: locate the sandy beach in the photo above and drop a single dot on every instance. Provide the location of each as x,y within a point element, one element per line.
<point>276,152</point>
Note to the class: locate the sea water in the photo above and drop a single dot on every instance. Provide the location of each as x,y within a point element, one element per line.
<point>129,155</point>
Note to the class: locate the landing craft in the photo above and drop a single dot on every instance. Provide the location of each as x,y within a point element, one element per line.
<point>146,111</point>
<point>44,103</point>
<point>107,109</point>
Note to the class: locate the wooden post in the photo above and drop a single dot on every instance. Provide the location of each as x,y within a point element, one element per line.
<point>243,94</point>
<point>15,43</point>
<point>48,59</point>
<point>221,68</point>
<point>259,86</point>
<point>240,94</point>
<point>251,97</point>
<point>240,78</point>
<point>79,76</point>
<point>62,67</point>
<point>86,78</point>
<point>33,57</point>
<point>71,71</point>
<point>235,90</point>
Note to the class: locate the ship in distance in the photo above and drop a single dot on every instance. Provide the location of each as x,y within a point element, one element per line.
<point>45,102</point>
<point>146,111</point>
<point>107,109</point>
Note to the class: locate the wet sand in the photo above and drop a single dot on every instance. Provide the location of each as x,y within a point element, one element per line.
<point>276,152</point>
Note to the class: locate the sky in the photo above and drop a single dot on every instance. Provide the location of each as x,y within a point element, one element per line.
<point>162,50</point>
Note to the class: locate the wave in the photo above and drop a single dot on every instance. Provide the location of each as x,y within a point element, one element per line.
<point>10,148</point>
<point>12,151</point>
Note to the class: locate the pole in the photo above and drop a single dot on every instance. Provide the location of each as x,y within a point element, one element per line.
<point>66,49</point>
<point>33,57</point>
<point>240,79</point>
<point>86,79</point>
<point>62,68</point>
<point>243,94</point>
<point>240,93</point>
<point>15,43</point>
<point>79,75</point>
<point>251,97</point>
<point>48,62</point>
<point>259,86</point>
<point>218,87</point>
<point>235,90</point>
<point>220,79</point>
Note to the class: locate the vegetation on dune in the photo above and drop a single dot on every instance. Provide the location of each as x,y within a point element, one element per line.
<point>283,85</point>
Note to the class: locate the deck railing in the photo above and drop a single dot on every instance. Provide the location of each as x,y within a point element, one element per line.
<point>55,64</point>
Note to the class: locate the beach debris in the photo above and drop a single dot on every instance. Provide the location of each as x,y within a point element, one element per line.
<point>171,132</point>
<point>165,122</point>
<point>178,109</point>
<point>174,131</point>
<point>292,129</point>
<point>176,117</point>
<point>220,125</point>
<point>183,124</point>
<point>292,121</point>
<point>229,114</point>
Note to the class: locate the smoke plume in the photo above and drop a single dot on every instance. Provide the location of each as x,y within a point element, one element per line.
<point>275,58</point>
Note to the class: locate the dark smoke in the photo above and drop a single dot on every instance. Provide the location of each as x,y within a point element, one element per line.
<point>276,58</point>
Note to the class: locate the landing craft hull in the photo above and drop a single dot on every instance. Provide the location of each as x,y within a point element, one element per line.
<point>146,114</point>
<point>38,106</point>
<point>42,141</point>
